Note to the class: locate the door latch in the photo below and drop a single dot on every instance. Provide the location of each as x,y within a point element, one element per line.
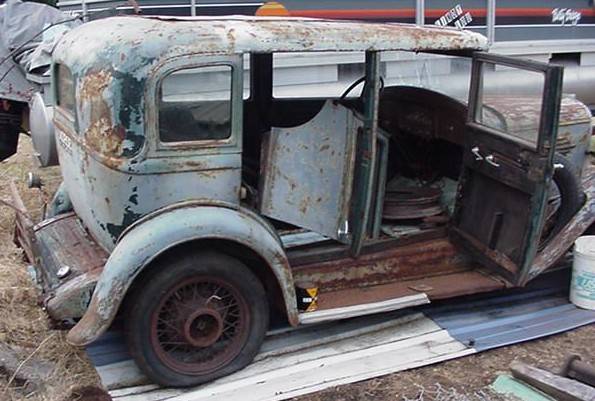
<point>475,151</point>
<point>489,158</point>
<point>491,161</point>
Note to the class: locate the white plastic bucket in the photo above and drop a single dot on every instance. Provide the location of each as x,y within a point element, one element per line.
<point>582,286</point>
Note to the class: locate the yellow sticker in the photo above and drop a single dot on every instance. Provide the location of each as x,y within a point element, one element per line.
<point>312,307</point>
<point>313,293</point>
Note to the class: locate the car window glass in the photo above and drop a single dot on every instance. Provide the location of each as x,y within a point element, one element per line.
<point>510,102</point>
<point>195,104</point>
<point>65,98</point>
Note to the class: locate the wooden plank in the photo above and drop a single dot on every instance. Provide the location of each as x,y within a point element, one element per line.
<point>559,387</point>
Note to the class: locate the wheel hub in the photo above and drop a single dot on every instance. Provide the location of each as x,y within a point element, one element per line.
<point>203,327</point>
<point>199,325</point>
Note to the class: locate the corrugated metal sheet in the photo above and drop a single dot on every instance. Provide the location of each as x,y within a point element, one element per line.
<point>512,318</point>
<point>402,343</point>
<point>311,358</point>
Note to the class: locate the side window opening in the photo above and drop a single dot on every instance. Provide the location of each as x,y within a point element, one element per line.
<point>195,104</point>
<point>308,75</point>
<point>65,89</point>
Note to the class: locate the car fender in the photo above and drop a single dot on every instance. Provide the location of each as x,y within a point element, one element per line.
<point>161,230</point>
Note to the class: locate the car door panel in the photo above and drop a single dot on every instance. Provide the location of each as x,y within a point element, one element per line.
<point>507,163</point>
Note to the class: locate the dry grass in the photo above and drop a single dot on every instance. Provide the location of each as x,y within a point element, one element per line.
<point>23,323</point>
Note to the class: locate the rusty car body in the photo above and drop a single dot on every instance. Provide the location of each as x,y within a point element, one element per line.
<point>196,204</point>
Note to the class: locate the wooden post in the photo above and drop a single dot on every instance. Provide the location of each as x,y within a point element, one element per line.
<point>559,387</point>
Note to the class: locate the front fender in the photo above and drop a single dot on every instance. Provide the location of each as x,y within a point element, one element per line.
<point>164,229</point>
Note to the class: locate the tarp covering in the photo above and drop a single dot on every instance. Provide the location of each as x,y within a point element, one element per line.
<point>21,24</point>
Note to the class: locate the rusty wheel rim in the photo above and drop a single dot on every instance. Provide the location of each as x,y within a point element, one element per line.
<point>200,325</point>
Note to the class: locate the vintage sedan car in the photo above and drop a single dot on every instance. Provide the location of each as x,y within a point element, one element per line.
<point>198,204</point>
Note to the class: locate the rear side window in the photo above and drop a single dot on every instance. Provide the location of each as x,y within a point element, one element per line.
<point>195,104</point>
<point>65,91</point>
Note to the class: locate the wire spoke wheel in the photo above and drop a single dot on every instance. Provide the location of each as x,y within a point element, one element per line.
<point>199,316</point>
<point>200,325</point>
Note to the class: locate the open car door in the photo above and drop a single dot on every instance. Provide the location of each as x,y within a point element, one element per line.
<point>507,163</point>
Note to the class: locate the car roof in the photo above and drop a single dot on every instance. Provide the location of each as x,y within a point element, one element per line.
<point>153,38</point>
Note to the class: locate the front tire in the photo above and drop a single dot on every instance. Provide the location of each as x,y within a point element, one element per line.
<point>198,317</point>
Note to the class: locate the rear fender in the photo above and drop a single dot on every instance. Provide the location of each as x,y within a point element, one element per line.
<point>159,231</point>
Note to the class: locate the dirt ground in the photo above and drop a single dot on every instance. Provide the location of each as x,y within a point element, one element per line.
<point>26,332</point>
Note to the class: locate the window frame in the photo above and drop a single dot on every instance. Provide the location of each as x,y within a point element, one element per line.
<point>70,114</point>
<point>206,145</point>
<point>476,97</point>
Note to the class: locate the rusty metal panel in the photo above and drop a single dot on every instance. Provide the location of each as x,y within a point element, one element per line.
<point>109,200</point>
<point>115,169</point>
<point>63,243</point>
<point>392,263</point>
<point>308,172</point>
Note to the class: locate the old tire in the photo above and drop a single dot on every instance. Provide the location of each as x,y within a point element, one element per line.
<point>571,197</point>
<point>198,317</point>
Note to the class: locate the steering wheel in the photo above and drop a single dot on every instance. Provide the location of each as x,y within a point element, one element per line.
<point>356,83</point>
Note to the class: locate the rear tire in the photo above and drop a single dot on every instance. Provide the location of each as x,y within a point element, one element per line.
<point>198,317</point>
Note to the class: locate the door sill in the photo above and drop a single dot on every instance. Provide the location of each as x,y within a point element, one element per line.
<point>363,309</point>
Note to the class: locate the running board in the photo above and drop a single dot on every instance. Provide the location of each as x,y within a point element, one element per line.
<point>363,309</point>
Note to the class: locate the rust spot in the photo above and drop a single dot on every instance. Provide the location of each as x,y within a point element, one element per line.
<point>196,164</point>
<point>304,204</point>
<point>389,264</point>
<point>104,138</point>
<point>93,85</point>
